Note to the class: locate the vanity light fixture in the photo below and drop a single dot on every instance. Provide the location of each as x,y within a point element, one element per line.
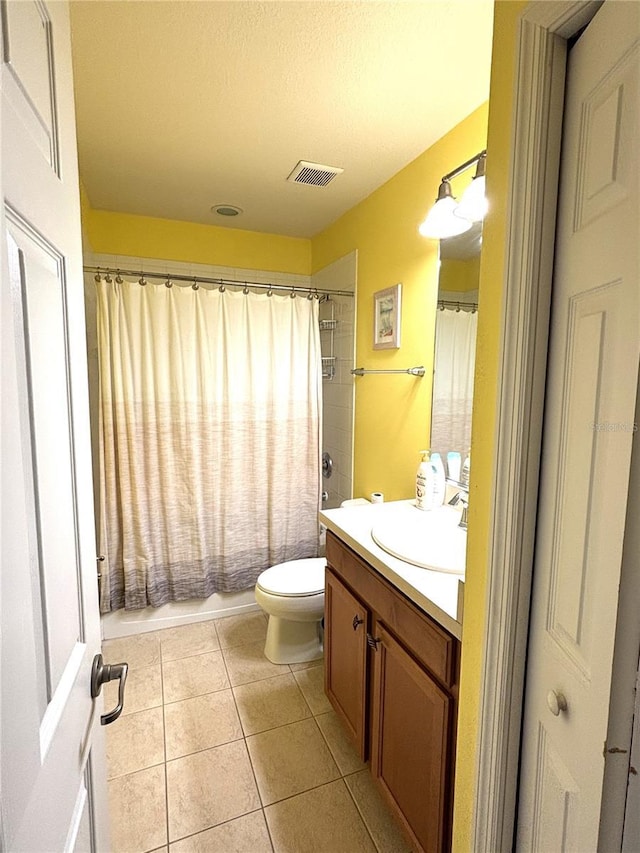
<point>447,218</point>
<point>473,204</point>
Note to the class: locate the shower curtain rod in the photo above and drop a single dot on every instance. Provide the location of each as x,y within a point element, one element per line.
<point>196,280</point>
<point>459,306</point>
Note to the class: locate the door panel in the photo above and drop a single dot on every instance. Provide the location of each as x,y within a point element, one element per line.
<point>411,742</point>
<point>52,776</point>
<point>592,378</point>
<point>346,622</point>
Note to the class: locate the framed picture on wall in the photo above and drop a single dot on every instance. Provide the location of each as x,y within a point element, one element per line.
<point>386,317</point>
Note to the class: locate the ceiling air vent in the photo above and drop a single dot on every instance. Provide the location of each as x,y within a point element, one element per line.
<point>313,173</point>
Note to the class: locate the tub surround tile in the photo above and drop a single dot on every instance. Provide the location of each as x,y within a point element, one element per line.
<point>137,651</point>
<point>246,834</point>
<point>193,676</point>
<point>242,629</point>
<point>187,640</point>
<point>208,788</point>
<point>247,663</point>
<point>311,682</point>
<point>138,807</point>
<point>143,690</point>
<point>135,742</point>
<point>290,759</point>
<point>322,819</point>
<point>201,723</point>
<point>384,830</point>
<point>342,750</point>
<point>270,703</point>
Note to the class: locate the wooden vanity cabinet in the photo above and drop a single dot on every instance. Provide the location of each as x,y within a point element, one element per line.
<point>392,678</point>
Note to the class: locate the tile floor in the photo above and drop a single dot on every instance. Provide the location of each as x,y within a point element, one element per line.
<point>220,750</point>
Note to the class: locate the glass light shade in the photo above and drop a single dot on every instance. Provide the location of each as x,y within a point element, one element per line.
<point>442,222</point>
<point>473,204</point>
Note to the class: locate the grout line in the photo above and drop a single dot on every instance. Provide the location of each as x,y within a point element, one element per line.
<point>164,732</point>
<point>362,818</point>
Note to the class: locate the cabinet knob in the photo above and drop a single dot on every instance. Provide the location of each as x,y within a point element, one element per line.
<point>356,621</point>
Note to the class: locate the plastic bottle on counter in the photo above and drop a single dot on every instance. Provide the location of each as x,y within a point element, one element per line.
<point>454,464</point>
<point>424,482</point>
<point>439,481</point>
<point>466,469</point>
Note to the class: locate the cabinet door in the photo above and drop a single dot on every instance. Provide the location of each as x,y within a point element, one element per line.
<point>410,742</point>
<point>345,655</point>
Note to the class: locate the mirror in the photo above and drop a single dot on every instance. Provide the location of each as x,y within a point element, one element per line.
<point>455,342</point>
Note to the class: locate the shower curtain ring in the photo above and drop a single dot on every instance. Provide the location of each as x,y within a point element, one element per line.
<point>118,278</point>
<point>168,282</point>
<point>142,280</point>
<point>97,277</point>
<point>270,292</point>
<point>245,289</point>
<point>195,285</point>
<point>222,288</point>
<point>293,293</point>
<point>108,278</point>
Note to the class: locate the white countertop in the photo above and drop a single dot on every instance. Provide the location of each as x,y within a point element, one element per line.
<point>438,594</point>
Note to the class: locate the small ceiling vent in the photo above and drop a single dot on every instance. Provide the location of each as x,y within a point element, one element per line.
<point>314,174</point>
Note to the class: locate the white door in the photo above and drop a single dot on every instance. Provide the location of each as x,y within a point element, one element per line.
<point>588,432</point>
<point>53,788</point>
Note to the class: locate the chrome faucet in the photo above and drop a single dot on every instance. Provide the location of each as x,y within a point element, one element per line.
<point>460,497</point>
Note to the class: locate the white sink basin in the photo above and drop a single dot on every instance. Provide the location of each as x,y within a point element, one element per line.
<point>432,540</point>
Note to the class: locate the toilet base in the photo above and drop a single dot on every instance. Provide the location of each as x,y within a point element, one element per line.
<point>293,642</point>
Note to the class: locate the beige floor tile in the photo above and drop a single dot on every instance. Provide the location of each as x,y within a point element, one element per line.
<point>247,834</point>
<point>324,819</point>
<point>200,723</point>
<point>248,663</point>
<point>186,640</point>
<point>193,676</point>
<point>242,629</point>
<point>143,690</point>
<point>311,682</point>
<point>208,788</point>
<point>290,759</point>
<point>374,811</point>
<point>138,650</point>
<point>137,805</point>
<point>343,751</point>
<point>269,703</point>
<point>135,742</point>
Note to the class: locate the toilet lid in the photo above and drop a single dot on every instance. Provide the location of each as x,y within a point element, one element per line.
<point>297,577</point>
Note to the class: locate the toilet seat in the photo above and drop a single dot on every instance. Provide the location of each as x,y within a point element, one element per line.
<point>294,579</point>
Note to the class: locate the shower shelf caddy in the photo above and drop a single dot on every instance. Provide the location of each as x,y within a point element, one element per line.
<point>328,325</point>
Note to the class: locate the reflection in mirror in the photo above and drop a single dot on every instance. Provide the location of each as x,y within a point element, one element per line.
<point>456,325</point>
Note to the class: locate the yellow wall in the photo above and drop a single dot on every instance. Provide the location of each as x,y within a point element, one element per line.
<point>459,276</point>
<point>144,236</point>
<point>505,22</point>
<point>392,413</point>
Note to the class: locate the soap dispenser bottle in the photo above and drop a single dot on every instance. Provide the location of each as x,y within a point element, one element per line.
<point>424,482</point>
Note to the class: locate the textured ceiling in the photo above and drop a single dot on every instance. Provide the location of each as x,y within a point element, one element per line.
<point>184,105</point>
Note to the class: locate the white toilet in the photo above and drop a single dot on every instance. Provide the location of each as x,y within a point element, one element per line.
<point>292,594</point>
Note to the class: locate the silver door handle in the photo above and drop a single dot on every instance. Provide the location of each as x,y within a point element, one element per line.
<point>101,673</point>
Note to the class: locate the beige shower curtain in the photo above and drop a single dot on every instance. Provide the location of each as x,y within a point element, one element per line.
<point>210,431</point>
<point>453,380</point>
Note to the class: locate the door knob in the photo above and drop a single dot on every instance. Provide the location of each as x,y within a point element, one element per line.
<point>556,702</point>
<point>101,673</point>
